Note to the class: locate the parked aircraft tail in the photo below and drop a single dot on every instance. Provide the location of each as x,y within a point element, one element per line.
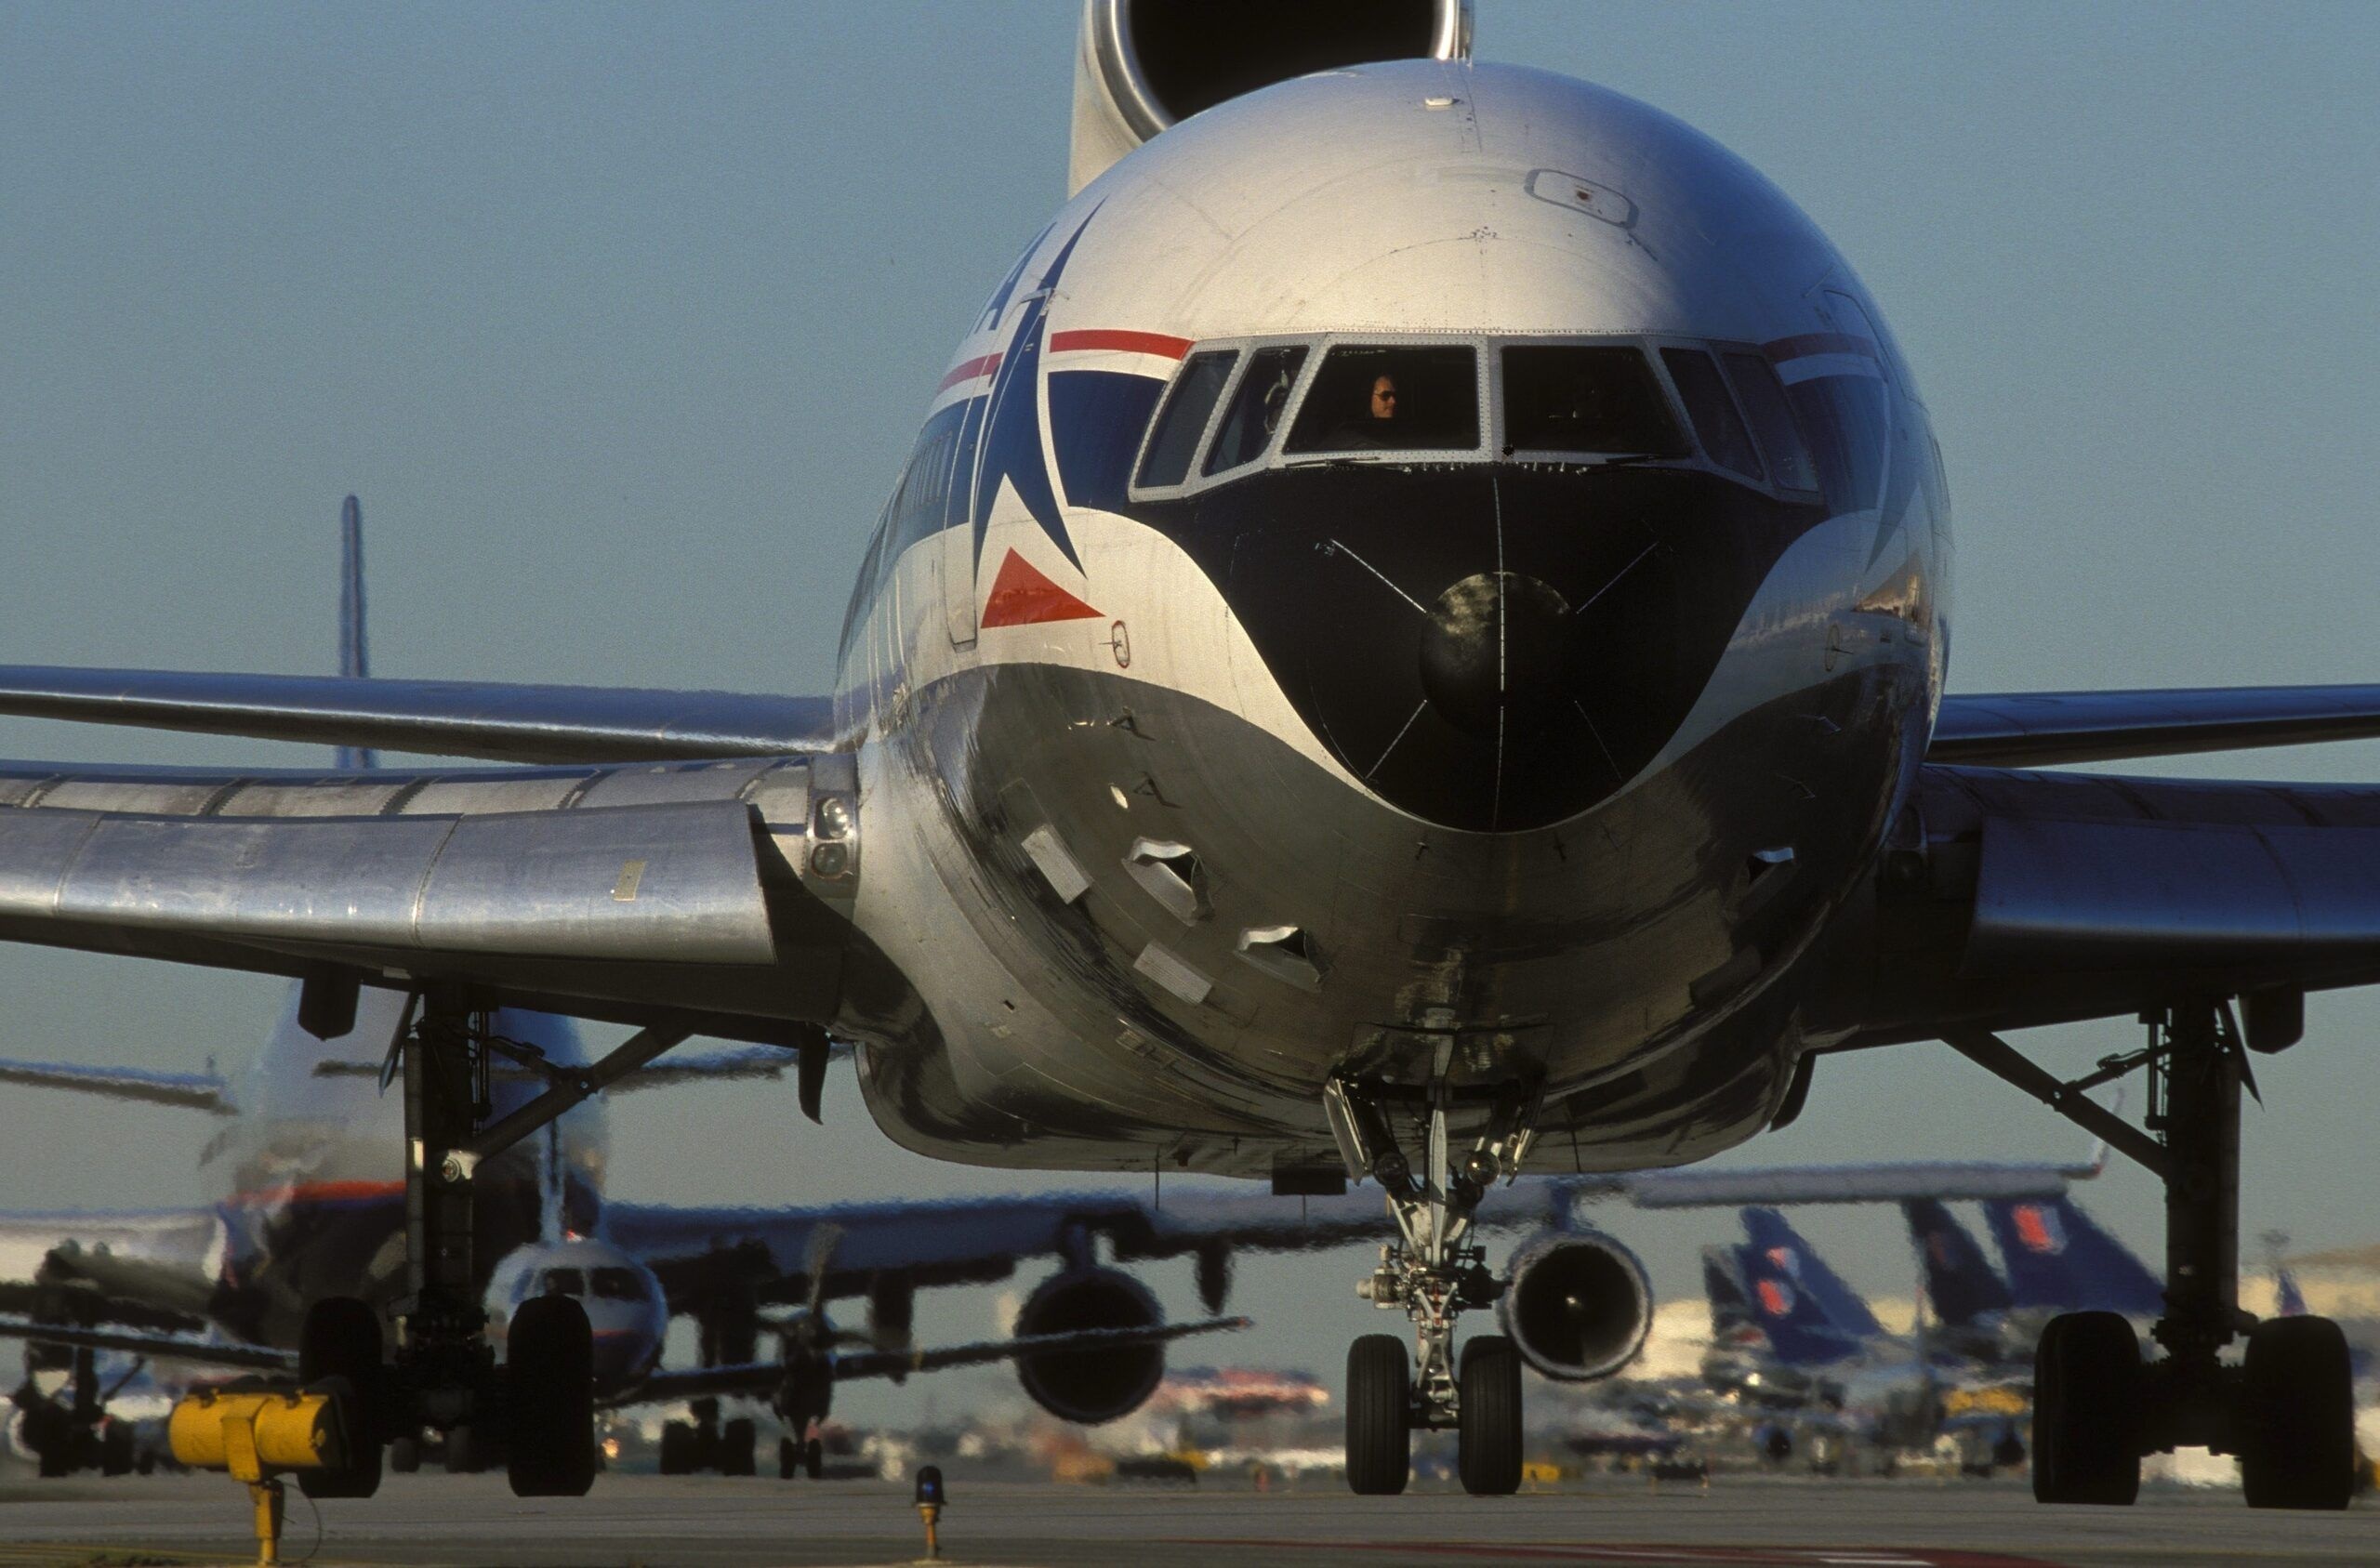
<point>1723,1282</point>
<point>2057,1257</point>
<point>354,658</point>
<point>1800,1330</point>
<point>1771,1234</point>
<point>1960,1280</point>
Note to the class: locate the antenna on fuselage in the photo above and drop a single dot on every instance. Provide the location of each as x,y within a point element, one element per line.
<point>354,655</point>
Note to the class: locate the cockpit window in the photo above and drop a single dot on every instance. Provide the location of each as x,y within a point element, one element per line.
<point>1587,398</point>
<point>565,1282</point>
<point>616,1284</point>
<point>1256,408</point>
<point>1712,411</point>
<point>1772,420</point>
<point>1402,397</point>
<point>1184,418</point>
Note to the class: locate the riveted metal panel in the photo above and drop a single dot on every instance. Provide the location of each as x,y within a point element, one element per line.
<point>676,884</point>
<point>347,879</point>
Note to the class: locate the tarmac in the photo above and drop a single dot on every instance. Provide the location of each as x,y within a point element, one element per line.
<point>461,1521</point>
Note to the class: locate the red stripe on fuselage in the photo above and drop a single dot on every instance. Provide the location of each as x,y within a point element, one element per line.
<point>1811,343</point>
<point>1122,342</point>
<point>968,370</point>
<point>317,1193</point>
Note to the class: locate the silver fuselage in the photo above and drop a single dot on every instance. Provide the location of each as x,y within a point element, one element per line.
<point>1132,735</point>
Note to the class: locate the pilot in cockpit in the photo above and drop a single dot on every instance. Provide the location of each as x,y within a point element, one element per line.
<point>1376,427</point>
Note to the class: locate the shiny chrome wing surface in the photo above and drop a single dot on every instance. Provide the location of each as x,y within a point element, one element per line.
<point>191,1091</point>
<point>675,890</point>
<point>2029,898</point>
<point>227,1353</point>
<point>487,720</point>
<point>2034,729</point>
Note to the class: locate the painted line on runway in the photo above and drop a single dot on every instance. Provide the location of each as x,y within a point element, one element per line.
<point>1644,1551</point>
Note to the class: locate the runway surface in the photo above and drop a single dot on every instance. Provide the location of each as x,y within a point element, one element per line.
<point>653,1523</point>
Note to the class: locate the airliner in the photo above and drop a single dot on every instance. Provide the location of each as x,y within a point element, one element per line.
<point>300,1193</point>
<point>1411,648</point>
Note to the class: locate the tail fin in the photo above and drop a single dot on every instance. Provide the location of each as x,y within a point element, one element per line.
<point>1772,1235</point>
<point>354,655</point>
<point>2291,1302</point>
<point>1960,1280</point>
<point>1799,1329</point>
<point>2057,1257</point>
<point>1723,1282</point>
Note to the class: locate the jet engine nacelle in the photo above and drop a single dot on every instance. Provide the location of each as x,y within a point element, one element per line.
<point>1090,1385</point>
<point>1144,64</point>
<point>1579,1305</point>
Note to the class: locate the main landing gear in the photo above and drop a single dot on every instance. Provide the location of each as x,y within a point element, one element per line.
<point>537,1409</point>
<point>2287,1408</point>
<point>1434,1273</point>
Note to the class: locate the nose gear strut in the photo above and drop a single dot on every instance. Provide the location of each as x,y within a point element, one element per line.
<point>1433,1272</point>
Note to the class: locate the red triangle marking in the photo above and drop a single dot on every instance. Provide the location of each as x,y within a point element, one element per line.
<point>1023,597</point>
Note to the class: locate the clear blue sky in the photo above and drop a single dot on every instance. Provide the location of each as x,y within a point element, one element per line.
<point>620,319</point>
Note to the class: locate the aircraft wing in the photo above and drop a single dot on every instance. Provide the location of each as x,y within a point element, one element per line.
<point>191,1091</point>
<point>150,1267</point>
<point>2032,729</point>
<point>2033,897</point>
<point>678,1066</point>
<point>230,1354</point>
<point>493,720</point>
<point>676,891</point>
<point>759,1377</point>
<point>1950,1182</point>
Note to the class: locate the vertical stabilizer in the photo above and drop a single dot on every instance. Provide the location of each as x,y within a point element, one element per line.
<point>2059,1257</point>
<point>1960,1280</point>
<point>2292,1300</point>
<point>1723,1282</point>
<point>1801,1333</point>
<point>1784,1249</point>
<point>354,656</point>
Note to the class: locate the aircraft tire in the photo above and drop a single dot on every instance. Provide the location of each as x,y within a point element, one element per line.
<point>2086,1396</point>
<point>813,1457</point>
<point>738,1441</point>
<point>2297,1415</point>
<point>788,1458</point>
<point>1487,1434</point>
<point>341,1339</point>
<point>404,1455</point>
<point>462,1456</point>
<point>549,1373</point>
<point>677,1448</point>
<point>1379,1415</point>
<point>115,1450</point>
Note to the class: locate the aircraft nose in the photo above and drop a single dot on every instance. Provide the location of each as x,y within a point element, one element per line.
<point>1493,654</point>
<point>1490,648</point>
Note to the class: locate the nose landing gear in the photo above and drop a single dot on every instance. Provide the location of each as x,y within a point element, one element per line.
<point>1434,1273</point>
<point>2287,1409</point>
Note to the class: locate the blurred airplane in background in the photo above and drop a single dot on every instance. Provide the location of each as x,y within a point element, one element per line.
<point>301,1201</point>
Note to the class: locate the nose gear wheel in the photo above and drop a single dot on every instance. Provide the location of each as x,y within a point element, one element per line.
<point>1433,1272</point>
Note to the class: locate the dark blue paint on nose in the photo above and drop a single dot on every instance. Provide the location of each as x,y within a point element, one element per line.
<point>1489,647</point>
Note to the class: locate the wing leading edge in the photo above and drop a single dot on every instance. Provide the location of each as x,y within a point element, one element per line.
<point>2036,729</point>
<point>679,890</point>
<point>491,720</point>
